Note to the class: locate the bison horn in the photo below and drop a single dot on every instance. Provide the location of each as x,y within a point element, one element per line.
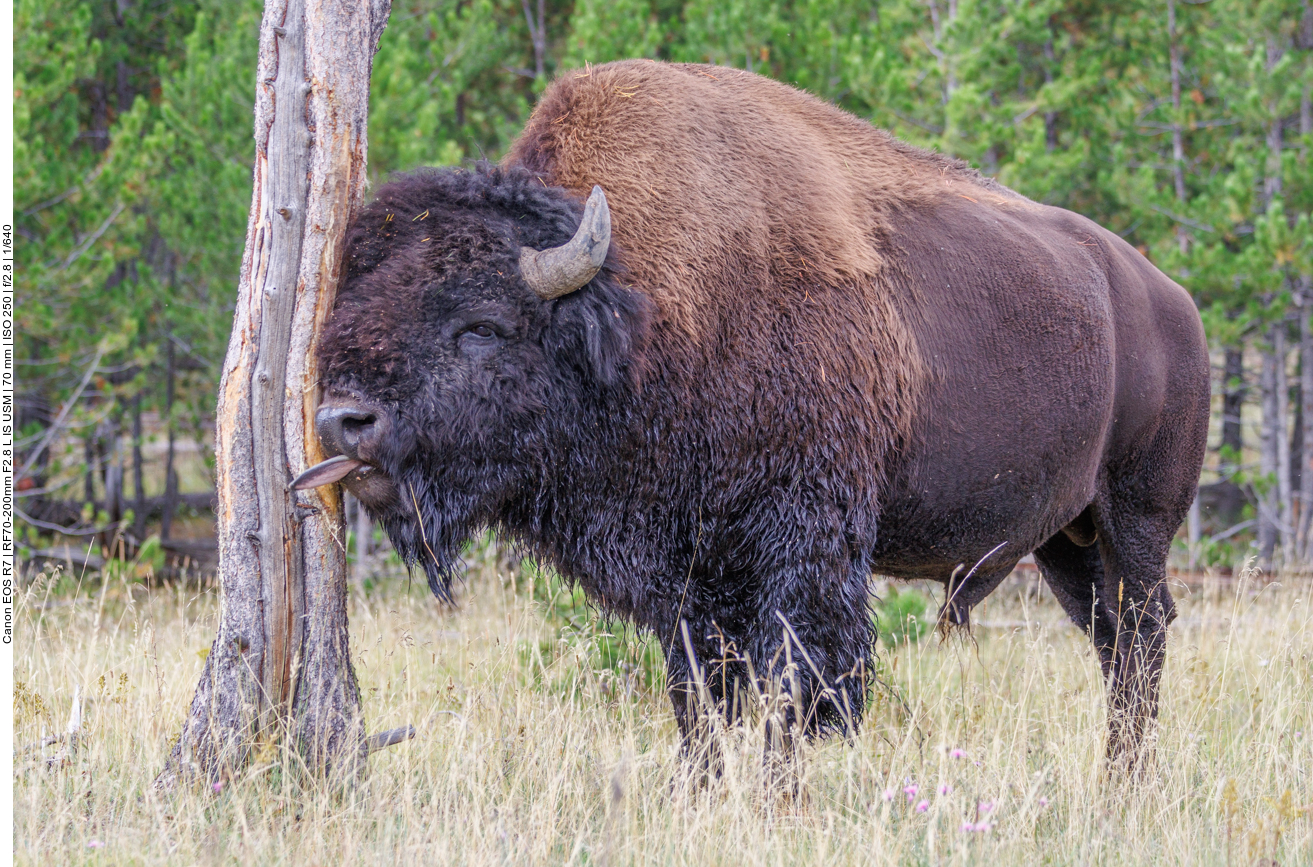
<point>559,271</point>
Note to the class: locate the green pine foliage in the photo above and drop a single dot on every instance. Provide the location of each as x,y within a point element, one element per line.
<point>902,616</point>
<point>444,89</point>
<point>606,30</point>
<point>133,138</point>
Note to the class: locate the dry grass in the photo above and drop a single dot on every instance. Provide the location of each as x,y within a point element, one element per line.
<point>531,751</point>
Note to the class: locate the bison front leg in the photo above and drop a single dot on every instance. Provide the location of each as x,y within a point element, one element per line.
<point>695,700</point>
<point>810,648</point>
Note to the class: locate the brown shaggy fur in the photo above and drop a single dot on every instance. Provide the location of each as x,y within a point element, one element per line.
<point>678,147</point>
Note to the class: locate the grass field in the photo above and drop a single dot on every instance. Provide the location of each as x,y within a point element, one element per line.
<point>544,739</point>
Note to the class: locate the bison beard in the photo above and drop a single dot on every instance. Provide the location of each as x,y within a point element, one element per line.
<point>811,353</point>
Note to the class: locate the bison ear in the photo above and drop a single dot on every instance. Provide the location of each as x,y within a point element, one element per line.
<point>603,334</point>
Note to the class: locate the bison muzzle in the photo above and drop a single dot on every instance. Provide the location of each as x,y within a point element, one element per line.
<point>776,352</point>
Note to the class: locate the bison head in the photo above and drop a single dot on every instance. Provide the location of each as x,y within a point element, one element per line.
<point>475,340</point>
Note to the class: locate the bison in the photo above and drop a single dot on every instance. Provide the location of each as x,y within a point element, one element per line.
<point>775,352</point>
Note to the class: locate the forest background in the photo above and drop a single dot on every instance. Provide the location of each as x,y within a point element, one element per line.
<point>1183,126</point>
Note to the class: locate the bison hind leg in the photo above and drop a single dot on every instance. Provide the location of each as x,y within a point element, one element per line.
<point>1133,546</point>
<point>1116,591</point>
<point>1074,572</point>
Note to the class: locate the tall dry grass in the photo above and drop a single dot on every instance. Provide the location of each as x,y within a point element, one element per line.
<point>980,751</point>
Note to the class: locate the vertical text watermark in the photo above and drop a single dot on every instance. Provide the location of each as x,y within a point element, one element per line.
<point>8,576</point>
<point>8,423</point>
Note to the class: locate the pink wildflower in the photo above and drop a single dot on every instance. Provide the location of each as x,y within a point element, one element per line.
<point>218,787</point>
<point>945,788</point>
<point>1043,802</point>
<point>95,844</point>
<point>888,795</point>
<point>986,807</point>
<point>957,754</point>
<point>922,806</point>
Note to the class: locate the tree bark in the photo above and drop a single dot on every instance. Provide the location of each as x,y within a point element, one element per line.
<point>1284,493</point>
<point>1306,402</point>
<point>1272,180</point>
<point>280,663</point>
<point>1272,528</point>
<point>1304,521</point>
<point>113,463</point>
<point>1233,401</point>
<point>1194,529</point>
<point>940,22</point>
<point>1050,117</point>
<point>138,487</point>
<point>1274,502</point>
<point>1178,138</point>
<point>170,474</point>
<point>1265,497</point>
<point>1295,468</point>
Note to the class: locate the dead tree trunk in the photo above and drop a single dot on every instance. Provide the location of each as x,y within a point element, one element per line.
<point>1306,398</point>
<point>1274,457</point>
<point>1231,499</point>
<point>170,473</point>
<point>138,488</point>
<point>1284,494</point>
<point>1271,504</point>
<point>280,664</point>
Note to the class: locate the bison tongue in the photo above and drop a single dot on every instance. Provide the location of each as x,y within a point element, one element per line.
<point>325,472</point>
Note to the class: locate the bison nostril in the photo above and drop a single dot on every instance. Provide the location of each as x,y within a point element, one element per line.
<point>357,428</point>
<point>344,430</point>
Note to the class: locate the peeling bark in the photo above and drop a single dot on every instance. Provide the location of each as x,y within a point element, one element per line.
<point>280,664</point>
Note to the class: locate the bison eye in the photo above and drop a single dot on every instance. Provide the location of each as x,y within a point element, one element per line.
<point>480,337</point>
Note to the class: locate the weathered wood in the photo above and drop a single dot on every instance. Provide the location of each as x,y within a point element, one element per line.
<point>280,664</point>
<point>391,737</point>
